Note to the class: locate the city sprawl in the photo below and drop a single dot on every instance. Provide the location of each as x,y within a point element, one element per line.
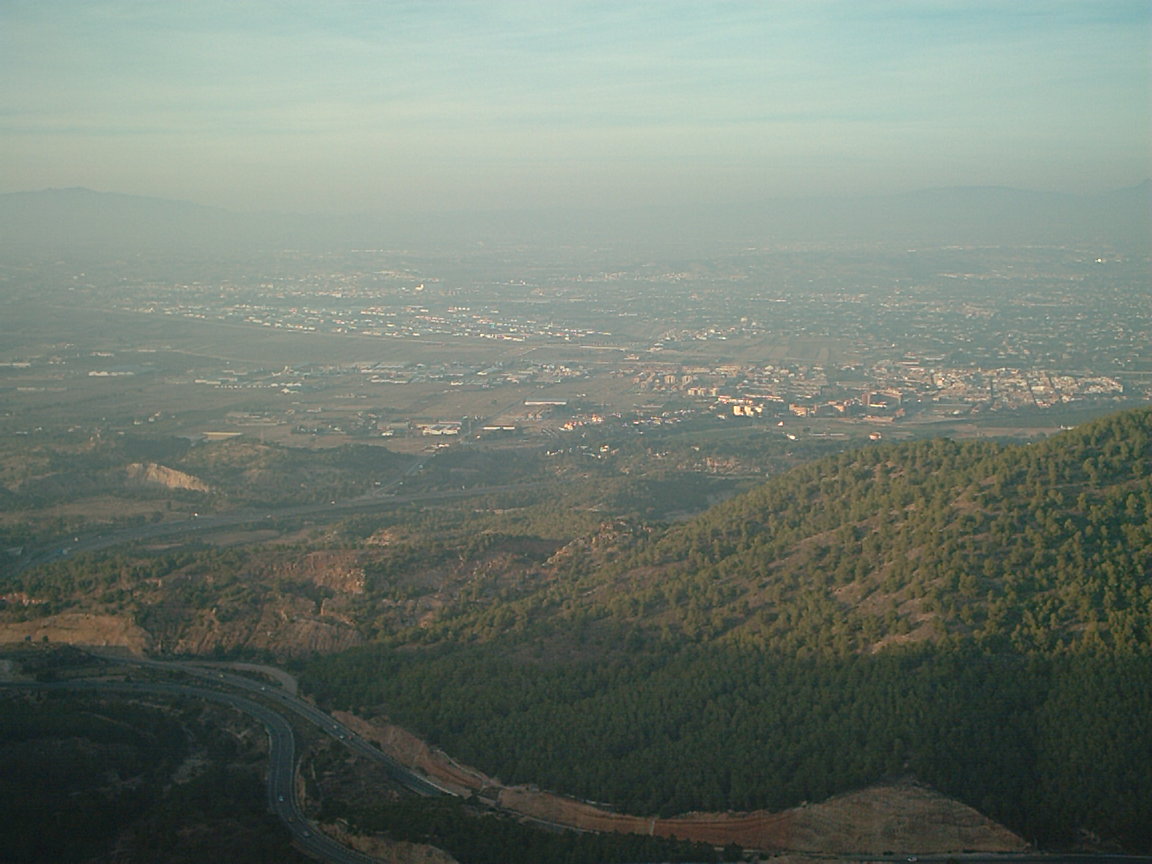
<point>506,341</point>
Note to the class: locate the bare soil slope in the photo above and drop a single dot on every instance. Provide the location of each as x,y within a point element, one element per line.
<point>78,628</point>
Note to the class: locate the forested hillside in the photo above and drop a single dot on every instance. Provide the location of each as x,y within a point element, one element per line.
<point>1037,548</point>
<point>972,614</point>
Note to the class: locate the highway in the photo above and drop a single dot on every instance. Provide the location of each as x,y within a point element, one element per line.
<point>282,751</point>
<point>281,763</point>
<point>281,785</point>
<point>397,772</point>
<point>377,500</point>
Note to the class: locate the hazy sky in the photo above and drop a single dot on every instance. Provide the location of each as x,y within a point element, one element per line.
<point>444,104</point>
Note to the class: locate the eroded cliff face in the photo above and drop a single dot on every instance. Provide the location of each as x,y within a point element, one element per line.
<point>152,474</point>
<point>287,605</point>
<point>338,570</point>
<point>296,606</point>
<point>286,626</point>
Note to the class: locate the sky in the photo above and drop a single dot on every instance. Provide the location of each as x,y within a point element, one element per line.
<point>391,106</point>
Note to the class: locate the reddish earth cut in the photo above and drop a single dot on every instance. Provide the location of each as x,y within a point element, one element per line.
<point>902,817</point>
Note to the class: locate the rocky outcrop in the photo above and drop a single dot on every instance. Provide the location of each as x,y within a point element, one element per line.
<point>338,570</point>
<point>903,816</point>
<point>287,627</point>
<point>151,474</point>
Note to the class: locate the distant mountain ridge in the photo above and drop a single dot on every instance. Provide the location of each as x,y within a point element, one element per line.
<point>80,219</point>
<point>83,219</point>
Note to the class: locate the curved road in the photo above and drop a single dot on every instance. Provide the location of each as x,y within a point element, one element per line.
<point>400,774</point>
<point>281,763</point>
<point>281,784</point>
<point>281,787</point>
